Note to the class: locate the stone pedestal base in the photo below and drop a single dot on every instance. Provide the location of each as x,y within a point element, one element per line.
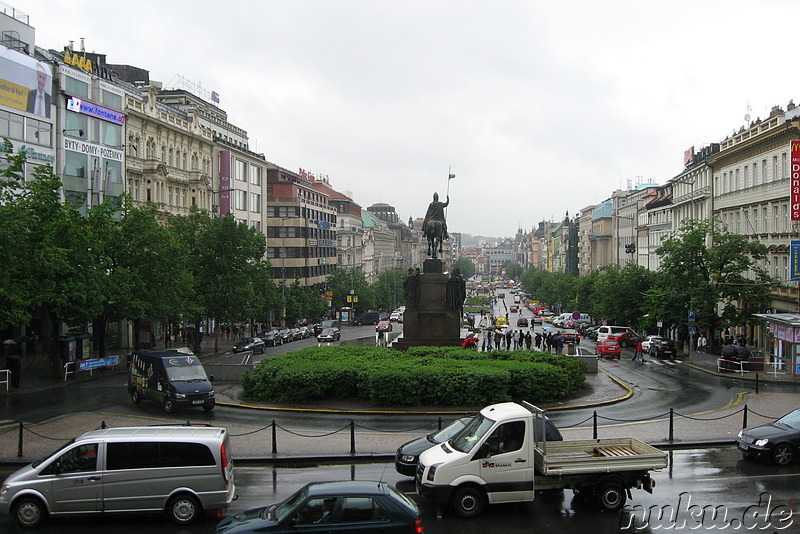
<point>431,324</point>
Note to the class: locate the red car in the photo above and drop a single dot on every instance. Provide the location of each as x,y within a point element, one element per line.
<point>626,339</point>
<point>608,348</point>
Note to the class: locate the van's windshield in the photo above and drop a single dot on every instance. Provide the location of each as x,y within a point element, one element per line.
<point>465,440</point>
<point>186,373</point>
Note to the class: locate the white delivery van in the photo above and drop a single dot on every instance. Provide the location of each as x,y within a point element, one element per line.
<point>503,455</point>
<point>181,470</point>
<point>604,331</point>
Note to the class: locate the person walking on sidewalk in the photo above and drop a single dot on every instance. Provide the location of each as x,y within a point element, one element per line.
<point>702,342</point>
<point>638,356</point>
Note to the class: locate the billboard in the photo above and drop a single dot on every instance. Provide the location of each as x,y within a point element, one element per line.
<point>794,193</point>
<point>25,83</point>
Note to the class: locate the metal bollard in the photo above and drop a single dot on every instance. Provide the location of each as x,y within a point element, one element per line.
<point>756,382</point>
<point>19,443</point>
<point>744,417</point>
<point>440,422</point>
<point>103,425</point>
<point>594,425</point>
<point>671,424</point>
<point>274,437</point>
<point>352,437</point>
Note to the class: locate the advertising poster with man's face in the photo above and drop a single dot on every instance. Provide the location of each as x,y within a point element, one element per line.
<point>25,83</point>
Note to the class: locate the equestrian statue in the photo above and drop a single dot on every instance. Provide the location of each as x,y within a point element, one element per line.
<point>434,226</point>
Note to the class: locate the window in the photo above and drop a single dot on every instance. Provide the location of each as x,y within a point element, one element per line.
<point>111,100</point>
<point>255,175</point>
<point>774,168</point>
<point>240,202</point>
<point>763,171</point>
<point>755,174</point>
<point>746,183</point>
<point>112,135</point>
<point>80,459</point>
<point>255,202</point>
<point>319,510</point>
<point>75,164</point>
<point>38,132</point>
<point>784,170</point>
<point>148,455</point>
<point>362,509</point>
<point>240,170</point>
<point>76,87</point>
<point>776,221</point>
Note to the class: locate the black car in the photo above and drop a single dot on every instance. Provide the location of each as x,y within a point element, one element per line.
<point>777,441</point>
<point>407,457</point>
<point>522,321</point>
<point>286,335</point>
<point>347,506</point>
<point>250,343</point>
<point>571,336</point>
<point>663,348</point>
<point>272,338</point>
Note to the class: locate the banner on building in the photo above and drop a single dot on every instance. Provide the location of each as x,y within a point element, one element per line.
<point>794,194</point>
<point>795,260</point>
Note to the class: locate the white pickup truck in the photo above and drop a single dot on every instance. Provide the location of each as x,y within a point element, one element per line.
<point>502,456</point>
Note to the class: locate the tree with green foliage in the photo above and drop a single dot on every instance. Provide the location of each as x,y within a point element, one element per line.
<point>343,282</point>
<point>466,266</point>
<point>706,268</point>
<point>618,295</point>
<point>388,289</point>
<point>513,269</point>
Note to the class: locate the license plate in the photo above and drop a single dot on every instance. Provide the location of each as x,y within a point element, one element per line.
<point>742,446</point>
<point>198,402</point>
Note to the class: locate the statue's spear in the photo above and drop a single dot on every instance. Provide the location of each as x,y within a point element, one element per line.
<point>450,176</point>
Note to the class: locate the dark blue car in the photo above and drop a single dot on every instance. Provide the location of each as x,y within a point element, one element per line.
<point>347,506</point>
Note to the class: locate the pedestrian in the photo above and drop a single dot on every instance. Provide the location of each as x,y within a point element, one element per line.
<point>559,342</point>
<point>498,339</point>
<point>528,340</point>
<point>12,350</point>
<point>538,340</point>
<point>638,356</point>
<point>702,342</point>
<point>508,339</point>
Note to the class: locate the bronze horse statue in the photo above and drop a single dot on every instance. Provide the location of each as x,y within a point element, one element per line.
<point>434,231</point>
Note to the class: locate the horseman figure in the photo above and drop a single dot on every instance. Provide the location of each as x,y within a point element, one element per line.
<point>434,226</point>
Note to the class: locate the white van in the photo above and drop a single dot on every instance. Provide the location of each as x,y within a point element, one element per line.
<point>604,331</point>
<point>181,470</point>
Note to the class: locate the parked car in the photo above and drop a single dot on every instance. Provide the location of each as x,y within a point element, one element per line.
<point>522,321</point>
<point>407,457</point>
<point>608,348</point>
<point>305,332</point>
<point>648,342</point>
<point>329,334</point>
<point>778,441</point>
<point>396,317</point>
<point>286,335</point>
<point>272,338</point>
<point>249,343</point>
<point>385,326</point>
<point>297,335</point>
<point>346,506</point>
<point>663,348</point>
<point>626,339</point>
<point>591,332</point>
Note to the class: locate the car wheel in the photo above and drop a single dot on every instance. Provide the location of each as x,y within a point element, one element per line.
<point>169,406</point>
<point>468,501</point>
<point>208,407</point>
<point>135,397</point>
<point>29,512</point>
<point>183,509</point>
<point>782,454</point>
<point>611,497</point>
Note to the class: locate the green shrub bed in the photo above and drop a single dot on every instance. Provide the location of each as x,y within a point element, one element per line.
<point>420,376</point>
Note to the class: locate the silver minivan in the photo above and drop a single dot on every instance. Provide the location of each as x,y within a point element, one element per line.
<point>181,470</point>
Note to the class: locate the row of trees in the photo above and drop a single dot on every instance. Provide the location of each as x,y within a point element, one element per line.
<point>704,268</point>
<point>116,261</point>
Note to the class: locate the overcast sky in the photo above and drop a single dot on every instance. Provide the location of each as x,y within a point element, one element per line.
<point>538,107</point>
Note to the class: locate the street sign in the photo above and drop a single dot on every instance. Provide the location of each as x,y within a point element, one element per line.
<point>692,330</point>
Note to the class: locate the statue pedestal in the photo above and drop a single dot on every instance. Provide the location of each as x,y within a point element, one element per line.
<point>431,324</point>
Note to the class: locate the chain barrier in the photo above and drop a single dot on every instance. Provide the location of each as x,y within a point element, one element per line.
<point>351,425</point>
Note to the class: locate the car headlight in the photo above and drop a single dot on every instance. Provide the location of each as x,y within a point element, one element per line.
<point>4,489</point>
<point>180,396</point>
<point>408,458</point>
<point>211,393</point>
<point>761,442</point>
<point>432,472</point>
<point>739,435</point>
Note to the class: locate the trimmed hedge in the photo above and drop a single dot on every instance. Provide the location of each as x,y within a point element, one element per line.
<point>416,377</point>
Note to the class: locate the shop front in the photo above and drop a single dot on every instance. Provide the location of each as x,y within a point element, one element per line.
<point>780,338</point>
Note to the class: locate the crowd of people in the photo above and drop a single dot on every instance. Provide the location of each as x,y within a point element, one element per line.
<point>504,338</point>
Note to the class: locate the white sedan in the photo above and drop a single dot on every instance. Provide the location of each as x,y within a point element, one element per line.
<point>649,341</point>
